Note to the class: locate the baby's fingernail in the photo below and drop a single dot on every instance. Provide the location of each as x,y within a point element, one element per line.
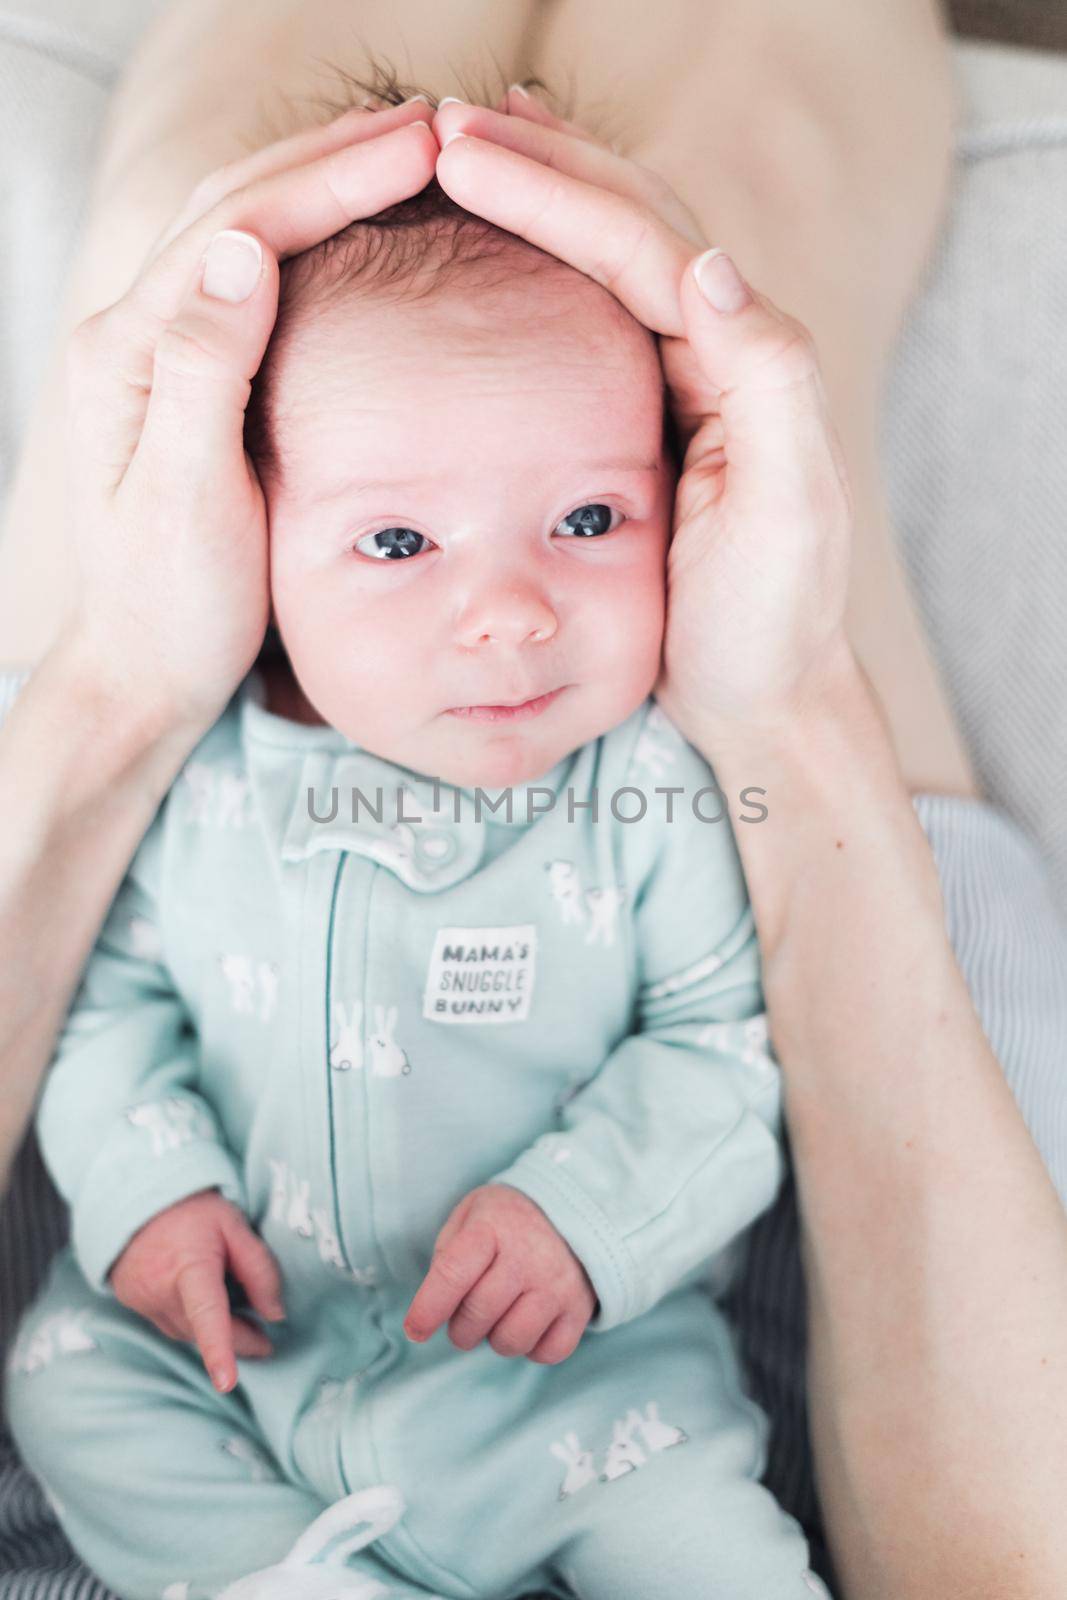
<point>720,282</point>
<point>276,1312</point>
<point>221,1380</point>
<point>413,97</point>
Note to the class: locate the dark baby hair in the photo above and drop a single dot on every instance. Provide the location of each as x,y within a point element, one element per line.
<point>409,251</point>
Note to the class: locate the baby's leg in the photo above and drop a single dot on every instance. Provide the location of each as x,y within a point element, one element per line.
<point>162,1485</point>
<point>813,142</point>
<point>676,1508</point>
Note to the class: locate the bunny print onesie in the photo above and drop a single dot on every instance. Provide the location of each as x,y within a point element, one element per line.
<point>346,994</point>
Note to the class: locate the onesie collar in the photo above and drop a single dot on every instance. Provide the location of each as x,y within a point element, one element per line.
<point>430,833</point>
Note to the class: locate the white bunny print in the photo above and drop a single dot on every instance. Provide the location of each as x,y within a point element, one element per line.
<point>748,1039</point>
<point>329,1246</point>
<point>240,974</point>
<point>234,800</point>
<point>634,1439</point>
<point>346,1047</point>
<point>653,748</point>
<point>170,1123</point>
<point>299,1218</point>
<point>604,906</point>
<point>261,1468</point>
<point>578,1462</point>
<point>655,1434</point>
<point>245,977</point>
<point>145,940</point>
<point>62,1334</point>
<point>566,888</point>
<point>387,1059</point>
<point>217,798</point>
<point>200,789</point>
<point>624,1454</point>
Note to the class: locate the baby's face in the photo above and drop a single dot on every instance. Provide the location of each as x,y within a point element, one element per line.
<point>440,460</point>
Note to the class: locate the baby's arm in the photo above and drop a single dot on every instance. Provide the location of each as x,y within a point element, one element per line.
<point>672,1149</point>
<point>667,1153</point>
<point>126,1135</point>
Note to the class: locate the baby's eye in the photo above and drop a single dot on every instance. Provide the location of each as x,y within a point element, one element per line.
<point>587,521</point>
<point>393,544</point>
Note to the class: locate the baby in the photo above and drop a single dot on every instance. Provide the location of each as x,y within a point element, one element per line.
<point>435,972</point>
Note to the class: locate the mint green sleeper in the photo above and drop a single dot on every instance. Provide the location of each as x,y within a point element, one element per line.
<point>334,991</point>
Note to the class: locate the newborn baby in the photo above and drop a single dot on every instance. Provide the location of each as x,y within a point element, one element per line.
<point>437,965</point>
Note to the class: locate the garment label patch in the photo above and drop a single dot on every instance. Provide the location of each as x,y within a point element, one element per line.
<point>481,974</point>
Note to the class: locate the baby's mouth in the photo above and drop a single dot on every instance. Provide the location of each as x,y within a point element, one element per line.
<point>507,712</point>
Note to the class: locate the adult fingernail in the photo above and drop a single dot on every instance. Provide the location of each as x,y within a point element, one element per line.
<point>517,88</point>
<point>720,282</point>
<point>451,100</point>
<point>232,266</point>
<point>413,97</point>
<point>449,137</point>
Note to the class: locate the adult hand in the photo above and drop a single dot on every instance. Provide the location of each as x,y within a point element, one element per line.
<point>168,514</point>
<point>758,563</point>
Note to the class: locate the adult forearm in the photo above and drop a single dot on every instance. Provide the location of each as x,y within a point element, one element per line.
<point>84,764</point>
<point>935,1244</point>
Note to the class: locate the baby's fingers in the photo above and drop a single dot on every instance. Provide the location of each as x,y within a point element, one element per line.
<point>253,1264</point>
<point>454,1270</point>
<point>205,1303</point>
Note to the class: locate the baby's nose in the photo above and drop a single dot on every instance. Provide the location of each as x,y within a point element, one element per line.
<point>508,613</point>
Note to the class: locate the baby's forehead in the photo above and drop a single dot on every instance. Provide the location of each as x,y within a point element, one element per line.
<point>505,370</point>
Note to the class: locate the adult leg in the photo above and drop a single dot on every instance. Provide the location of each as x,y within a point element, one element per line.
<point>814,143</point>
<point>211,81</point>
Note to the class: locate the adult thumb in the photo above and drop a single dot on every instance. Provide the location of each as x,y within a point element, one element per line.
<point>203,364</point>
<point>757,378</point>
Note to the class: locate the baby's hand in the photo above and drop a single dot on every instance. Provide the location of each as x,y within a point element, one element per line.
<point>500,1268</point>
<point>173,1272</point>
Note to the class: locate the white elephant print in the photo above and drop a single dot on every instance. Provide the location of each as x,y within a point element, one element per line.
<point>387,1059</point>
<point>566,888</point>
<point>604,906</point>
<point>346,1049</point>
<point>579,1464</point>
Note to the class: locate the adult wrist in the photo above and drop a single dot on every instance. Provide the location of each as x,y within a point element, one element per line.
<point>143,714</point>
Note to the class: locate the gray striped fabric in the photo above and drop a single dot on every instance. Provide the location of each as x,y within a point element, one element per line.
<point>1012,947</point>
